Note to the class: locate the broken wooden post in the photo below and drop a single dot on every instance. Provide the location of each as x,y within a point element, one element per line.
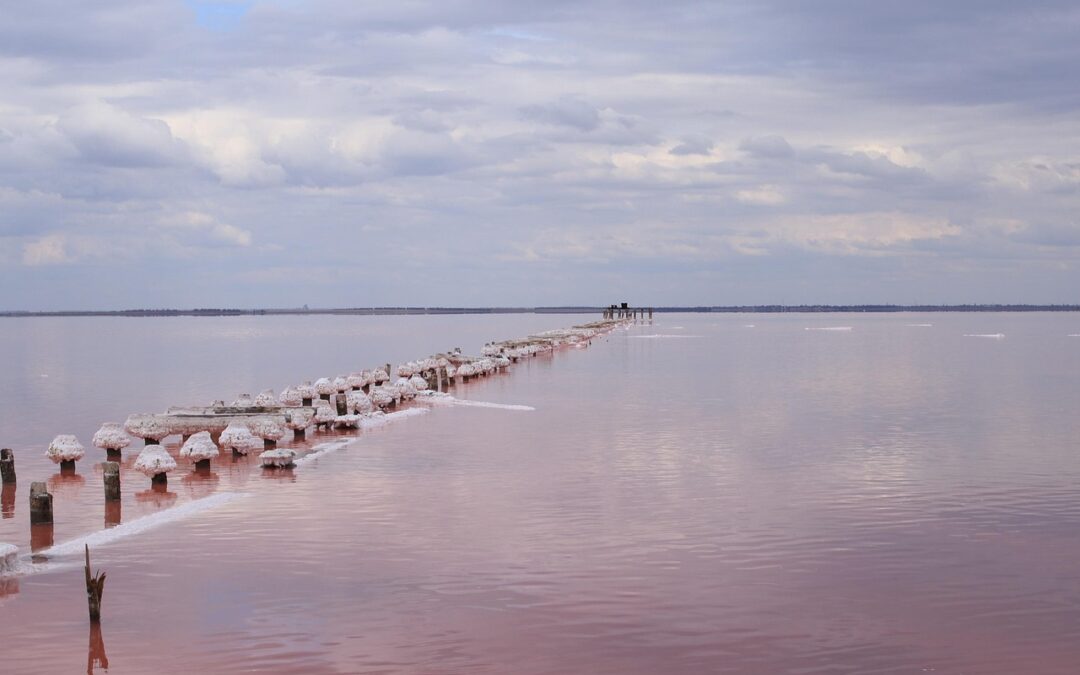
<point>7,466</point>
<point>95,586</point>
<point>111,475</point>
<point>40,504</point>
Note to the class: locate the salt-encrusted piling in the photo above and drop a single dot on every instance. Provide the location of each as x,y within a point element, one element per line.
<point>7,466</point>
<point>41,511</point>
<point>268,430</point>
<point>200,449</point>
<point>342,404</point>
<point>111,477</point>
<point>112,439</point>
<point>64,450</point>
<point>95,586</point>
<point>154,461</point>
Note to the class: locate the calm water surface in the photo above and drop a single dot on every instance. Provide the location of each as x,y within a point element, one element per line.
<point>693,495</point>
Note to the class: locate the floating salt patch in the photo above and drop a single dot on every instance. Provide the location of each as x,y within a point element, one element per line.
<point>140,525</point>
<point>659,336</point>
<point>9,559</point>
<point>919,325</point>
<point>1074,334</point>
<point>995,336</point>
<point>749,325</point>
<point>827,328</point>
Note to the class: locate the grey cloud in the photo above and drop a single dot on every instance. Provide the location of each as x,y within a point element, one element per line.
<point>693,145</point>
<point>569,111</point>
<point>769,147</point>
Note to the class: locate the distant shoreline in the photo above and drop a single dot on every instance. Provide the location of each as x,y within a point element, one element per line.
<point>388,311</point>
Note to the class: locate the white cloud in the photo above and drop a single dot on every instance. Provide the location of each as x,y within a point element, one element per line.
<point>48,250</point>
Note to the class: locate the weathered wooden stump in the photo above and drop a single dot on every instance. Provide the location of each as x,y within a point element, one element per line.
<point>306,402</point>
<point>95,586</point>
<point>342,404</point>
<point>111,476</point>
<point>41,511</point>
<point>202,466</point>
<point>67,467</point>
<point>113,455</point>
<point>7,465</point>
<point>299,433</point>
<point>159,479</point>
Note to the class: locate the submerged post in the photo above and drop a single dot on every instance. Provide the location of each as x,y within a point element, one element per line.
<point>7,466</point>
<point>111,475</point>
<point>40,504</point>
<point>95,586</point>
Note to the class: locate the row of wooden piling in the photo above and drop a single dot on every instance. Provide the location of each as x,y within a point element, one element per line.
<point>41,501</point>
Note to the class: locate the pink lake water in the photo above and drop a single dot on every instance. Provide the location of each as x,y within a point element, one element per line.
<point>692,495</point>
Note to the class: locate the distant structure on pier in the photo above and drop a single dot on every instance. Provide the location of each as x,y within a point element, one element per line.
<point>625,311</point>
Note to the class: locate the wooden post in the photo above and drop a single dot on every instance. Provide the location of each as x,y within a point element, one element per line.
<point>650,314</point>
<point>306,402</point>
<point>438,378</point>
<point>111,475</point>
<point>7,465</point>
<point>161,479</point>
<point>40,504</point>
<point>202,466</point>
<point>389,373</point>
<point>95,586</point>
<point>342,405</point>
<point>299,433</point>
<point>113,454</point>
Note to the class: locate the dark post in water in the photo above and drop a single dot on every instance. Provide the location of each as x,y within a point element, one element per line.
<point>7,466</point>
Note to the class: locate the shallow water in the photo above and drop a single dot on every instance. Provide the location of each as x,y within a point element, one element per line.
<point>890,498</point>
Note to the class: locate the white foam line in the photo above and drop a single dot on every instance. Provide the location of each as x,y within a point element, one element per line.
<point>1074,335</point>
<point>919,325</point>
<point>408,412</point>
<point>140,525</point>
<point>319,451</point>
<point>827,328</point>
<point>996,336</point>
<point>654,337</point>
<point>486,404</point>
<point>438,398</point>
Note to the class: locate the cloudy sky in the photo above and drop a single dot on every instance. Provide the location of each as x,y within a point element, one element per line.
<point>474,152</point>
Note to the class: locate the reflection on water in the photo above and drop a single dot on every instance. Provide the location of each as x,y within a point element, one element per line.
<point>7,500</point>
<point>95,651</point>
<point>42,536</point>
<point>65,484</point>
<point>884,499</point>
<point>158,495</point>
